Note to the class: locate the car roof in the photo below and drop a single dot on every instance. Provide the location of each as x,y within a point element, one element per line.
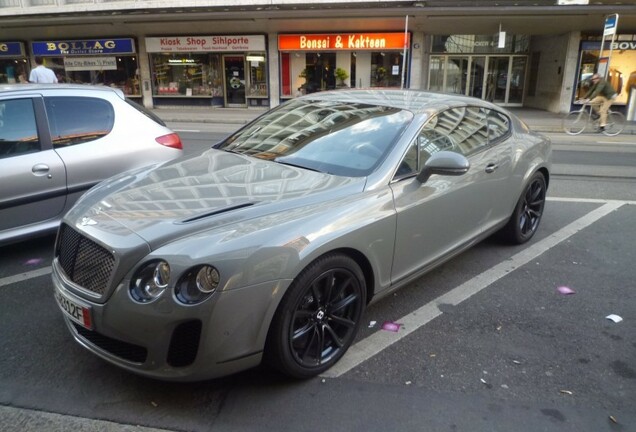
<point>30,88</point>
<point>417,101</point>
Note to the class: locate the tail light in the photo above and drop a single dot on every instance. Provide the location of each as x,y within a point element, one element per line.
<point>172,140</point>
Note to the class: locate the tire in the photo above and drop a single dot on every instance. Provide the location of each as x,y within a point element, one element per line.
<point>528,212</point>
<point>318,317</point>
<point>615,123</point>
<point>574,123</point>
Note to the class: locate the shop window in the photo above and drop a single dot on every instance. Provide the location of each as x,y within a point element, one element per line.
<point>257,83</point>
<point>386,69</point>
<point>187,75</point>
<point>120,71</point>
<point>18,131</point>
<point>319,72</point>
<point>76,120</point>
<point>13,71</point>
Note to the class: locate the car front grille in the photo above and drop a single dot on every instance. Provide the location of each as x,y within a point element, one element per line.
<point>127,351</point>
<point>85,262</point>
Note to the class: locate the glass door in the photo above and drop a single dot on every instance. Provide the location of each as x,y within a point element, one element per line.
<point>477,77</point>
<point>517,80</point>
<point>497,83</point>
<point>436,74</point>
<point>457,74</point>
<point>234,71</point>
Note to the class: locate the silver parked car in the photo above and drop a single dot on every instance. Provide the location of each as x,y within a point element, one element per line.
<point>271,244</point>
<point>57,141</point>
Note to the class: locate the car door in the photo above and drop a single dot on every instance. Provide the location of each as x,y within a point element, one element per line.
<point>80,126</point>
<point>33,186</point>
<point>445,212</point>
<point>505,190</point>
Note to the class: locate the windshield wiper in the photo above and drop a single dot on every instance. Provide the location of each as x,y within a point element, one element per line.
<point>296,165</point>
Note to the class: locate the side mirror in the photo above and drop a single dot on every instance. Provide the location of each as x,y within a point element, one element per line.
<point>444,163</point>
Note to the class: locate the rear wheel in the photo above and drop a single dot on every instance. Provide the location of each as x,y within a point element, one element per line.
<point>318,317</point>
<point>615,123</point>
<point>528,212</point>
<point>574,123</point>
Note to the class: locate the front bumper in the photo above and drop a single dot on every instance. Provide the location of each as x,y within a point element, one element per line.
<point>168,340</point>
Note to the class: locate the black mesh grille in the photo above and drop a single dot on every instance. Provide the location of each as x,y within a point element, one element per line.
<point>184,344</point>
<point>85,262</point>
<point>125,350</point>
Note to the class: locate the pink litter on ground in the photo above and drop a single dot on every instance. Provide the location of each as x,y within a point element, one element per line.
<point>565,290</point>
<point>33,261</point>
<point>391,326</point>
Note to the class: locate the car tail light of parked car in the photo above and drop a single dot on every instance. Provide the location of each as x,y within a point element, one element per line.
<point>173,140</point>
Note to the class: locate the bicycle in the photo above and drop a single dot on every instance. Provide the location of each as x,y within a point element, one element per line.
<point>576,121</point>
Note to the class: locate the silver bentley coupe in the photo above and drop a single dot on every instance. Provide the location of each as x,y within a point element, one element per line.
<point>269,246</point>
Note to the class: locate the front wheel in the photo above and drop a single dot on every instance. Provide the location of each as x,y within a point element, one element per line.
<point>527,214</point>
<point>317,318</point>
<point>615,123</point>
<point>574,123</point>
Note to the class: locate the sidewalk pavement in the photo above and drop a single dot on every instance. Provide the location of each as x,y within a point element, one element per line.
<point>537,120</point>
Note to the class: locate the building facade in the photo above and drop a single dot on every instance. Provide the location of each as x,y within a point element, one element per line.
<point>243,54</point>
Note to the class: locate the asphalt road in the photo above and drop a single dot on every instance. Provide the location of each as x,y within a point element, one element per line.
<point>486,343</point>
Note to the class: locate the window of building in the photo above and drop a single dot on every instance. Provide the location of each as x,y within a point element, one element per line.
<point>176,74</point>
<point>120,71</point>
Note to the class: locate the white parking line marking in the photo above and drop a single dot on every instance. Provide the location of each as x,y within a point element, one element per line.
<point>186,130</point>
<point>381,340</point>
<point>24,276</point>
<point>590,200</point>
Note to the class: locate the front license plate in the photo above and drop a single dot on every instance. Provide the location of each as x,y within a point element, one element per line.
<point>76,311</point>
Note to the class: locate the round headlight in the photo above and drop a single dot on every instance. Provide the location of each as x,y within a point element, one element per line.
<point>150,281</point>
<point>197,284</point>
<point>207,279</point>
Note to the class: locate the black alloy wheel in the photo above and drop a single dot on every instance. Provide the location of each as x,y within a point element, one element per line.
<point>527,215</point>
<point>318,318</point>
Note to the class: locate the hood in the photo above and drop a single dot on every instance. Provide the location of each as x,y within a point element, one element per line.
<point>202,192</point>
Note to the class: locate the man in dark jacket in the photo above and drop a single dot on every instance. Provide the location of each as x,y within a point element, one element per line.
<point>600,95</point>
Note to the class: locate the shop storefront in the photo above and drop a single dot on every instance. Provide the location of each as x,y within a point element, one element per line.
<point>13,63</point>
<point>476,65</point>
<point>318,62</point>
<point>110,62</point>
<point>621,69</point>
<point>228,71</point>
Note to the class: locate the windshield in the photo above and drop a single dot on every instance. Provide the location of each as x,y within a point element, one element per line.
<point>341,138</point>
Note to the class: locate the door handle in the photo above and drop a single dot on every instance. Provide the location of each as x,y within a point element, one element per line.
<point>490,168</point>
<point>41,170</point>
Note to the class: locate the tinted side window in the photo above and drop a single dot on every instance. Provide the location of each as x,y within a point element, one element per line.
<point>76,120</point>
<point>461,130</point>
<point>18,130</point>
<point>498,125</point>
<point>465,127</point>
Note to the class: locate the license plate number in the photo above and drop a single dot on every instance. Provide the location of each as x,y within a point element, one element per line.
<point>76,311</point>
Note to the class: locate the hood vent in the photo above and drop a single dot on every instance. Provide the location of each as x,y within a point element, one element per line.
<point>216,212</point>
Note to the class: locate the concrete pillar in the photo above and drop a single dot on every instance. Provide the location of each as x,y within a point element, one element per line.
<point>273,63</point>
<point>145,78</point>
<point>343,60</point>
<point>363,69</point>
<point>419,61</point>
<point>570,66</point>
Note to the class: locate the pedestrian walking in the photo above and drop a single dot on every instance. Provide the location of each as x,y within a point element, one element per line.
<point>42,74</point>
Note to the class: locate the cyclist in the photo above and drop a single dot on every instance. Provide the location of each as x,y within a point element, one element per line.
<point>600,96</point>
